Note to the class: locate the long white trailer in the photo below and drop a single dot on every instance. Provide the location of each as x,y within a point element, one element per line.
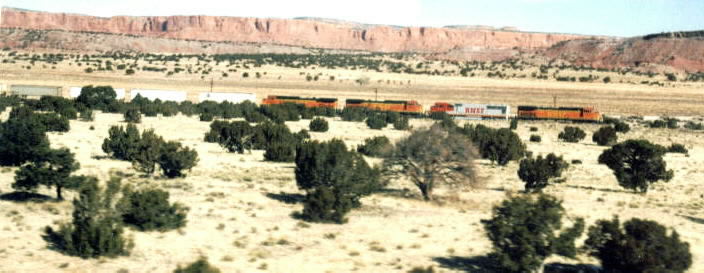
<point>74,92</point>
<point>163,95</point>
<point>35,90</point>
<point>230,97</point>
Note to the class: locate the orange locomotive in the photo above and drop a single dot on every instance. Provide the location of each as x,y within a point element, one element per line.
<point>400,106</point>
<point>307,102</point>
<point>561,113</point>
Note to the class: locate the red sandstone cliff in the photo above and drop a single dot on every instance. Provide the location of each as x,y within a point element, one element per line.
<point>303,33</point>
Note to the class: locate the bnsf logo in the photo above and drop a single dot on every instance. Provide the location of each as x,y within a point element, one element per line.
<point>474,110</point>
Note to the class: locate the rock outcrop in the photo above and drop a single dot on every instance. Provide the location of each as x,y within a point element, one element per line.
<point>291,32</point>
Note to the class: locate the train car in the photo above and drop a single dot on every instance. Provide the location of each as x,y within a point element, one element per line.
<point>232,97</point>
<point>559,113</point>
<point>307,102</point>
<point>400,106</point>
<point>473,110</point>
<point>35,90</point>
<point>163,95</point>
<point>75,91</point>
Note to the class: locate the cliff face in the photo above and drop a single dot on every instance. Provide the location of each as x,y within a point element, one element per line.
<point>303,33</point>
<point>679,53</point>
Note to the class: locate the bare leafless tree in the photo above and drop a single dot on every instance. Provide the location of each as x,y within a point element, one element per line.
<point>430,156</point>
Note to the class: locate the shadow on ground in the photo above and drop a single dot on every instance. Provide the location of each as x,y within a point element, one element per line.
<point>22,197</point>
<point>693,219</point>
<point>483,264</point>
<point>288,198</point>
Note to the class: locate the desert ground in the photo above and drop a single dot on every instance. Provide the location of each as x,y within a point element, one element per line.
<point>239,220</point>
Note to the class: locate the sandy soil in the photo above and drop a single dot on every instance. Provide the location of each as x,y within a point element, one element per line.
<point>236,220</point>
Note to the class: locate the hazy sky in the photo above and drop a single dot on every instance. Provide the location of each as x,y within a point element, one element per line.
<point>598,17</point>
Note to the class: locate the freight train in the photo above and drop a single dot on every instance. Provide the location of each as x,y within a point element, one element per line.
<point>473,110</point>
<point>307,102</point>
<point>587,114</point>
<point>400,106</point>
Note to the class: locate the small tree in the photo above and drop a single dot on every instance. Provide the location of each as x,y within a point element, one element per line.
<point>622,127</point>
<point>379,146</point>
<point>641,246</point>
<point>148,152</point>
<point>149,209</point>
<point>175,159</point>
<point>524,232</point>
<point>280,152</point>
<point>96,229</point>
<point>537,172</point>
<point>605,136</point>
<point>199,266</point>
<point>99,97</point>
<point>636,164</point>
<point>677,148</point>
<point>22,140</point>
<point>87,115</point>
<point>572,134</point>
<point>318,125</point>
<point>52,169</point>
<point>535,138</point>
<point>401,123</point>
<point>433,156</point>
<point>133,116</point>
<point>514,124</point>
<point>334,179</point>
<point>376,121</point>
<point>500,146</point>
<point>122,142</point>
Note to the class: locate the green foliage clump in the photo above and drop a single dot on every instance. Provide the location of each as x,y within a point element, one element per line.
<point>149,209</point>
<point>537,172</point>
<point>605,136</point>
<point>636,164</point>
<point>641,246</point>
<point>96,229</point>
<point>524,232</point>
<point>379,146</point>
<point>622,127</point>
<point>318,125</point>
<point>401,123</point>
<point>280,152</point>
<point>433,156</point>
<point>677,148</point>
<point>206,117</point>
<point>99,97</point>
<point>175,159</point>
<point>87,115</point>
<point>376,121</point>
<point>147,152</point>
<point>354,114</point>
<point>199,266</point>
<point>334,179</point>
<point>121,142</point>
<point>133,116</point>
<point>535,138</point>
<point>498,145</point>
<point>52,169</point>
<point>572,134</point>
<point>22,140</point>
<point>514,124</point>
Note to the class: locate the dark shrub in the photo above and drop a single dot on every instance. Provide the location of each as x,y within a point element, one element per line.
<point>52,169</point>
<point>87,115</point>
<point>677,148</point>
<point>121,142</point>
<point>524,231</point>
<point>537,172</point>
<point>376,121</point>
<point>199,266</point>
<point>22,140</point>
<point>694,126</point>
<point>622,127</point>
<point>379,146</point>
<point>392,117</point>
<point>133,116</point>
<point>535,138</point>
<point>267,133</point>
<point>334,179</point>
<point>54,122</point>
<point>605,136</point>
<point>280,152</point>
<point>641,246</point>
<point>236,136</point>
<point>500,146</point>
<point>576,161</point>
<point>439,116</point>
<point>206,117</point>
<point>533,129</point>
<point>354,114</point>
<point>149,209</point>
<point>572,134</point>
<point>147,152</point>
<point>96,229</point>
<point>401,123</point>
<point>99,97</point>
<point>514,124</point>
<point>175,159</point>
<point>636,164</point>
<point>318,125</point>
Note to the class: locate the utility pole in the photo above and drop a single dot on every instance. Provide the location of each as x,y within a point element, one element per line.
<point>376,94</point>
<point>554,101</point>
<point>211,85</point>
